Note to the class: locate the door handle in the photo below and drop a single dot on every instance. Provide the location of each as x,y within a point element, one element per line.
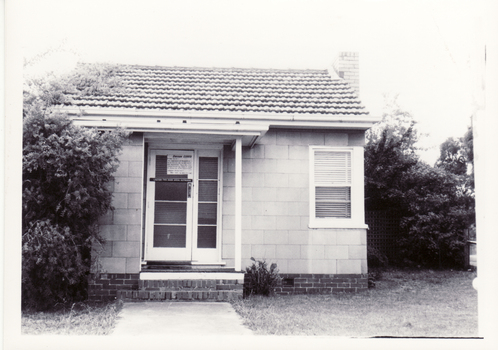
<point>189,190</point>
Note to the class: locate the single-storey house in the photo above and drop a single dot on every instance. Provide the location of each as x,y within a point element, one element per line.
<point>226,164</point>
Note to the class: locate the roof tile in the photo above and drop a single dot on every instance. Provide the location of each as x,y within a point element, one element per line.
<point>230,89</point>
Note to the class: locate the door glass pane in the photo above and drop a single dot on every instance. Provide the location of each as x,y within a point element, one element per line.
<point>172,191</point>
<point>170,213</point>
<point>207,213</point>
<point>206,237</point>
<point>170,236</point>
<point>208,191</point>
<point>208,167</point>
<point>161,166</point>
<point>162,169</point>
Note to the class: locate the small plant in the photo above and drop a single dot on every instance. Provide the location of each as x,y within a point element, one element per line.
<point>260,279</point>
<point>374,275</point>
<point>376,262</point>
<point>375,258</point>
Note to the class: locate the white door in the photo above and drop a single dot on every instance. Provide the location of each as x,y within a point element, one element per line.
<point>169,205</point>
<point>182,215</point>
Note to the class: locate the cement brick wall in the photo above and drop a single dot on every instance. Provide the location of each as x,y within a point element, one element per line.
<point>321,283</point>
<point>275,207</point>
<point>104,287</point>
<point>122,228</point>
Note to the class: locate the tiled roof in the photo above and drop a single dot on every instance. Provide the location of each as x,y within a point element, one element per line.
<point>230,90</point>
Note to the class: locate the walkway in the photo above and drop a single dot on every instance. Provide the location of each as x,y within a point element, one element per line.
<point>179,319</point>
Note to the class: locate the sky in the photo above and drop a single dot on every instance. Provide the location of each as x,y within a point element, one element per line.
<point>424,52</point>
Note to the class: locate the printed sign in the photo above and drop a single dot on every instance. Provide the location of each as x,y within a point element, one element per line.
<point>180,164</point>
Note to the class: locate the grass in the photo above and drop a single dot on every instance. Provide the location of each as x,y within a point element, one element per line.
<point>79,319</point>
<point>403,303</point>
<point>421,303</point>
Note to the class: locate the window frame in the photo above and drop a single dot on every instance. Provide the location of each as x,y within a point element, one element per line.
<point>357,219</point>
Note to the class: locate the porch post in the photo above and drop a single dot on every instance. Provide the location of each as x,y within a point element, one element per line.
<point>238,203</point>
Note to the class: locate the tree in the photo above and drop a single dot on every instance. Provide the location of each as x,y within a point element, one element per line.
<point>433,202</point>
<point>66,170</point>
<point>438,213</point>
<point>457,157</point>
<point>389,153</point>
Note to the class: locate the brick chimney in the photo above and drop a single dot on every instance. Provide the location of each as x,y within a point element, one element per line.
<point>346,65</point>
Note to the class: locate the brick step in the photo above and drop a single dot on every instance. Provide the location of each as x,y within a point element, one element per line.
<point>161,267</point>
<point>179,295</point>
<point>183,284</point>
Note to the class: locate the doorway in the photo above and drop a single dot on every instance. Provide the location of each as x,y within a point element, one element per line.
<point>183,206</point>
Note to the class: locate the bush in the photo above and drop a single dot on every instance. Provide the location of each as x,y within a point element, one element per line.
<point>261,280</point>
<point>435,204</point>
<point>66,171</point>
<point>375,258</point>
<point>53,260</point>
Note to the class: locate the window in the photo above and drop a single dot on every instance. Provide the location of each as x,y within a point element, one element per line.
<point>336,187</point>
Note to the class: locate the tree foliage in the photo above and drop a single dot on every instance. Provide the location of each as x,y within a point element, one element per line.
<point>438,213</point>
<point>66,171</point>
<point>457,157</point>
<point>435,204</point>
<point>40,94</point>
<point>390,153</point>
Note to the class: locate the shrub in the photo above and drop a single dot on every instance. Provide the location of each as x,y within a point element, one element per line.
<point>259,279</point>
<point>66,172</point>
<point>375,258</point>
<point>53,260</point>
<point>435,204</point>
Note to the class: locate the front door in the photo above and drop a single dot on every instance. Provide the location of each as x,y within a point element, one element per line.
<point>182,215</point>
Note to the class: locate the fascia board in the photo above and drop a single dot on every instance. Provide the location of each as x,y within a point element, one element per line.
<point>216,123</point>
<point>220,129</point>
<point>366,121</point>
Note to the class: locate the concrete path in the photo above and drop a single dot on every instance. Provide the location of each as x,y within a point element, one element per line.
<point>179,319</point>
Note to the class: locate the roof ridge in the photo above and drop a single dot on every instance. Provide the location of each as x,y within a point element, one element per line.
<point>157,67</point>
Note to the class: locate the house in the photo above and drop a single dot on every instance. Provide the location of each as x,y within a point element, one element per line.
<point>227,164</point>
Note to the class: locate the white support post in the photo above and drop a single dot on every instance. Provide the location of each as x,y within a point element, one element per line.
<point>238,204</point>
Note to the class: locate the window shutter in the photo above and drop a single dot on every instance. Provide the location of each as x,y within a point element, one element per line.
<point>332,167</point>
<point>332,181</point>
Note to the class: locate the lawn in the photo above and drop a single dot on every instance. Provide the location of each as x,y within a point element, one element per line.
<point>403,303</point>
<point>422,303</point>
<point>77,319</point>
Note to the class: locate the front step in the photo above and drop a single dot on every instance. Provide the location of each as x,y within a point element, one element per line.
<point>179,266</point>
<point>192,275</point>
<point>190,295</point>
<point>160,286</point>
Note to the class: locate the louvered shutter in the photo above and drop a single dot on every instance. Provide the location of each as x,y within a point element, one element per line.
<point>332,181</point>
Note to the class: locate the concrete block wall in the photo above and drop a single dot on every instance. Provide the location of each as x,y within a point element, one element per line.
<point>275,207</point>
<point>122,228</point>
